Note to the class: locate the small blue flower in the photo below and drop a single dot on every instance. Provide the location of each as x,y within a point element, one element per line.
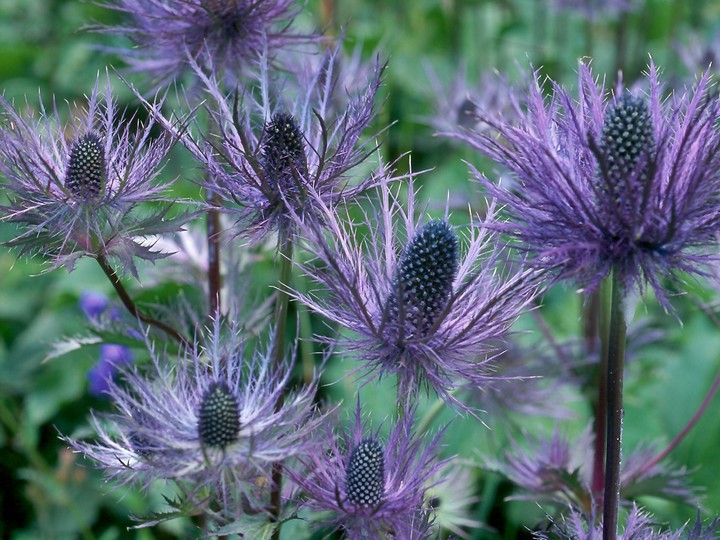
<point>93,304</point>
<point>112,359</point>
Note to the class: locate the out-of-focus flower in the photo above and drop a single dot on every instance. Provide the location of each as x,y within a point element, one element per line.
<point>639,526</point>
<point>76,187</point>
<point>559,469</point>
<point>449,497</point>
<point>419,303</point>
<point>371,489</point>
<point>630,184</point>
<point>93,304</point>
<point>700,53</point>
<point>457,106</point>
<point>112,359</point>
<point>209,419</point>
<point>224,36</point>
<point>551,469</point>
<point>272,161</point>
<point>596,9</point>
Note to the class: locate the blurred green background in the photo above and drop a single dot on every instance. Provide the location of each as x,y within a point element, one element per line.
<point>47,492</point>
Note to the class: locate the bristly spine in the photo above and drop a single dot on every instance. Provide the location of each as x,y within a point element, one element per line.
<point>365,474</point>
<point>218,418</point>
<point>424,277</point>
<point>85,173</point>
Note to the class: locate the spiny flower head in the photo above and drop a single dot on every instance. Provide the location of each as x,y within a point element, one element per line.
<point>371,488</point>
<point>76,187</point>
<point>85,174</point>
<point>576,525</point>
<point>629,183</point>
<point>225,36</point>
<point>423,279</point>
<point>364,477</point>
<point>204,416</point>
<point>416,303</point>
<point>271,158</point>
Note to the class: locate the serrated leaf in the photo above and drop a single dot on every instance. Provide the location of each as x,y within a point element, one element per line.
<point>68,345</point>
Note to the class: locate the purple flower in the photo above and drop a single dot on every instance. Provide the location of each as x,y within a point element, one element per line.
<point>203,419</point>
<point>420,303</point>
<point>639,526</point>
<point>223,36</point>
<point>371,487</point>
<point>630,183</point>
<point>277,161</point>
<point>76,187</point>
<point>112,359</point>
<point>93,304</point>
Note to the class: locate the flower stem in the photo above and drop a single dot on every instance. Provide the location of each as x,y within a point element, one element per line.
<point>134,310</point>
<point>213,239</point>
<point>680,436</point>
<point>595,318</point>
<point>282,302</point>
<point>615,365</point>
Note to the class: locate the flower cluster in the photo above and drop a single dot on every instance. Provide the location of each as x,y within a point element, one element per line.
<point>419,306</point>
<point>209,418</point>
<point>75,188</point>
<point>371,489</point>
<point>630,183</point>
<point>227,36</point>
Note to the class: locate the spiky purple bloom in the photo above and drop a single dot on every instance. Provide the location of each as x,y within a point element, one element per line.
<point>558,469</point>
<point>274,160</point>
<point>629,183</point>
<point>93,304</point>
<point>371,487</point>
<point>223,36</point>
<point>639,526</point>
<point>76,187</point>
<point>210,416</point>
<point>419,302</point>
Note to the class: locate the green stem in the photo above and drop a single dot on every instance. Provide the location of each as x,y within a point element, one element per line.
<point>282,302</point>
<point>597,309</point>
<point>134,310</point>
<point>614,374</point>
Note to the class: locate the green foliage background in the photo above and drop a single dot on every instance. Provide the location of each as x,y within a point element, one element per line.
<point>47,492</point>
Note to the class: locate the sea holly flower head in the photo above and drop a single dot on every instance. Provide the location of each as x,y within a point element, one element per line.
<point>419,301</point>
<point>627,182</point>
<point>576,525</point>
<point>372,487</point>
<point>224,36</point>
<point>208,416</point>
<point>269,158</point>
<point>75,187</point>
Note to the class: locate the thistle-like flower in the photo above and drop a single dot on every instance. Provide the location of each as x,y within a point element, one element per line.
<point>631,183</point>
<point>76,187</point>
<point>272,159</point>
<point>419,303</point>
<point>639,526</point>
<point>227,36</point>
<point>209,418</point>
<point>372,488</point>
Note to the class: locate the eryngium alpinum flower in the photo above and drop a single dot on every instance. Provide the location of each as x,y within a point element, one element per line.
<point>210,416</point>
<point>630,182</point>
<point>639,526</point>
<point>271,158</point>
<point>420,301</point>
<point>372,488</point>
<point>226,36</point>
<point>75,187</point>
